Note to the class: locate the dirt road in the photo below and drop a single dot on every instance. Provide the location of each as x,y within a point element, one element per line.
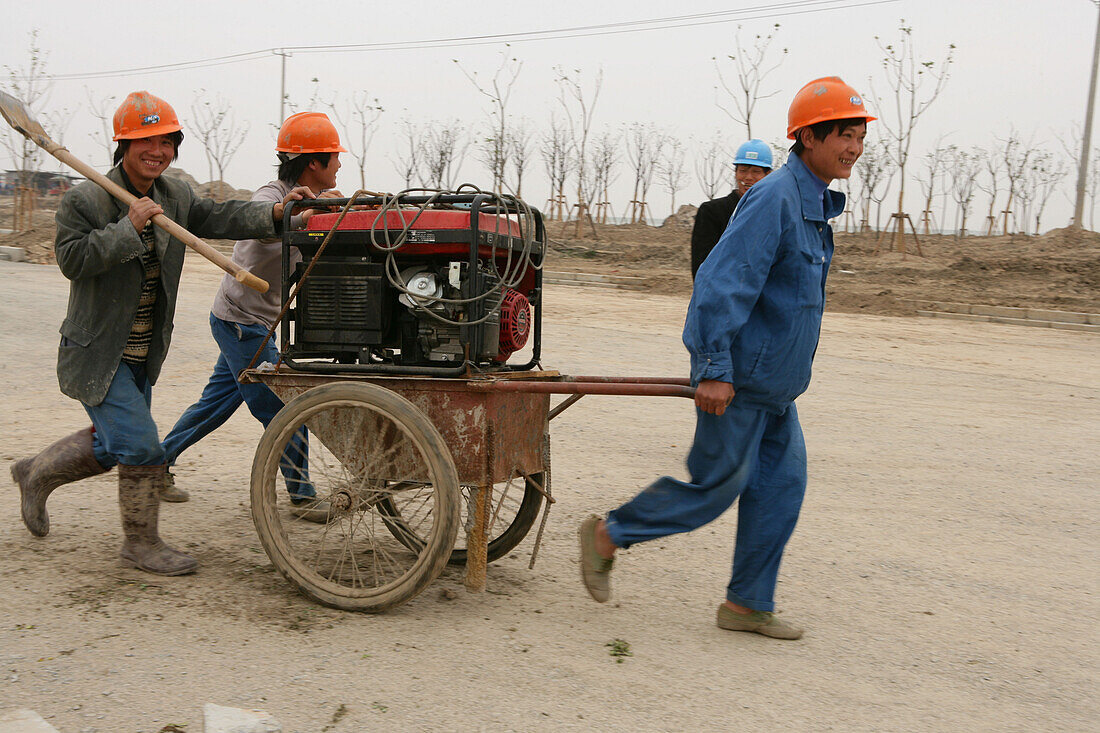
<point>945,564</point>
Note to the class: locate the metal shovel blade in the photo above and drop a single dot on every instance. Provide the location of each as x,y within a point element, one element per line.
<point>20,119</point>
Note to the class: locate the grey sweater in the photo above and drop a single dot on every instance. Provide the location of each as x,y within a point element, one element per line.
<point>263,258</point>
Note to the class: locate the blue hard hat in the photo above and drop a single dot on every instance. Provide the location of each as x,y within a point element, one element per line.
<point>754,152</point>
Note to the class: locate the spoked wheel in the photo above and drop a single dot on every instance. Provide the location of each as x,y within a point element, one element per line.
<point>513,512</point>
<point>355,448</point>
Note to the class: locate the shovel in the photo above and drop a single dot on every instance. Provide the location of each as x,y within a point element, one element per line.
<point>18,117</point>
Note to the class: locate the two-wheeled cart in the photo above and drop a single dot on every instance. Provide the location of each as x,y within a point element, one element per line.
<point>404,426</point>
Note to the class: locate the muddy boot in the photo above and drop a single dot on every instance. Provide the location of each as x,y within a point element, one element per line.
<point>69,459</point>
<point>171,492</point>
<point>138,500</point>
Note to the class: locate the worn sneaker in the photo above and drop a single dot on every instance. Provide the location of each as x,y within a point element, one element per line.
<point>595,570</point>
<point>170,492</point>
<point>759,622</point>
<point>311,508</point>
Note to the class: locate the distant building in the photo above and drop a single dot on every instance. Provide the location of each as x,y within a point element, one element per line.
<point>42,181</point>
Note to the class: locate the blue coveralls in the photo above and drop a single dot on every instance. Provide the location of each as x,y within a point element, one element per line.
<point>753,321</point>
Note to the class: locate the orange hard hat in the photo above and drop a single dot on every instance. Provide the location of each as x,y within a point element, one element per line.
<point>308,132</point>
<point>143,115</point>
<point>827,98</point>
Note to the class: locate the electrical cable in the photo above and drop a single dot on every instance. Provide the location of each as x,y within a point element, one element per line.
<point>769,10</point>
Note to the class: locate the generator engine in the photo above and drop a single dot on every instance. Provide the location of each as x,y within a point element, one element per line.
<point>420,285</point>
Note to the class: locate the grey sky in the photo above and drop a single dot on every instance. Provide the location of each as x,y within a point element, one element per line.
<point>1021,65</point>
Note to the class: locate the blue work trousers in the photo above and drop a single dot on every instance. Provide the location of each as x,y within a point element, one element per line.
<point>124,429</point>
<point>223,394</point>
<point>754,455</point>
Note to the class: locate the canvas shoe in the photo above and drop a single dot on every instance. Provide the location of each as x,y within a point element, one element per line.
<point>595,570</point>
<point>759,622</point>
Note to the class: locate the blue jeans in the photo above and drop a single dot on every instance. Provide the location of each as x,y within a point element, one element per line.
<point>124,429</point>
<point>753,455</point>
<point>223,394</point>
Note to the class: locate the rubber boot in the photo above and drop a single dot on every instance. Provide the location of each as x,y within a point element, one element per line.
<point>69,459</point>
<point>139,502</point>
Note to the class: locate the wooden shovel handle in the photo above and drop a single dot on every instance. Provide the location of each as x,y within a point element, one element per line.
<point>241,275</point>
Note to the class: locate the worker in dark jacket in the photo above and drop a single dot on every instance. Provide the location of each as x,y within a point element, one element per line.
<point>124,277</point>
<point>752,162</point>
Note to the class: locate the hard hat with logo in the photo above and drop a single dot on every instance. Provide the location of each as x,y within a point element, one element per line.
<point>143,115</point>
<point>308,132</point>
<point>828,98</point>
<point>754,152</point>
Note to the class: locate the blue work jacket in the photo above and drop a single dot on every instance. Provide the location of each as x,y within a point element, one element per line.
<point>755,313</point>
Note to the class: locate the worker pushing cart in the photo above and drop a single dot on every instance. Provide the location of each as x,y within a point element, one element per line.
<point>124,279</point>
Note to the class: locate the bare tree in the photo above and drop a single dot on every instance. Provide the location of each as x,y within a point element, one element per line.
<point>932,167</point>
<point>443,149</point>
<point>1014,156</point>
<point>991,166</point>
<point>493,150</point>
<point>358,118</point>
<point>672,172</point>
<point>313,102</point>
<point>876,174</point>
<point>103,110</point>
<point>963,168</point>
<point>1093,186</point>
<point>643,149</point>
<point>780,150</point>
<point>712,166</point>
<point>519,153</point>
<point>914,85</point>
<point>1049,170</point>
<point>579,110</point>
<point>605,158</point>
<point>751,67</point>
<point>554,151</point>
<point>212,122</point>
<point>409,152</point>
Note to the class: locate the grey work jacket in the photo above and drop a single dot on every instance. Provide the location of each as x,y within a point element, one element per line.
<point>99,251</point>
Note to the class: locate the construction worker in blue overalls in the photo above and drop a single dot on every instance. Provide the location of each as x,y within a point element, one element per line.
<point>752,330</point>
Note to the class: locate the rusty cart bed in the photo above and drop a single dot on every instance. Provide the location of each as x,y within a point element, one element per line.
<point>419,472</point>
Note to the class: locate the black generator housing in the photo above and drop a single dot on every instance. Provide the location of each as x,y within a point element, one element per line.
<point>438,285</point>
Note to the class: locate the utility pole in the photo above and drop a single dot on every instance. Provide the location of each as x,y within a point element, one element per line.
<point>1086,142</point>
<point>282,85</point>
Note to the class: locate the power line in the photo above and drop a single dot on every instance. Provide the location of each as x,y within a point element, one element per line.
<point>769,10</point>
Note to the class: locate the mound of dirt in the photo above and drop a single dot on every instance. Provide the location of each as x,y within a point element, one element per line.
<point>1059,270</point>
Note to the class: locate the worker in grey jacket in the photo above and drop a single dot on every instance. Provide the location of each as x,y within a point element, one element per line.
<point>308,149</point>
<point>124,278</point>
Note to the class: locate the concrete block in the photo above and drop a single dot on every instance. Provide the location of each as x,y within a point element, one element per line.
<point>1086,327</point>
<point>953,316</point>
<point>219,719</point>
<point>22,720</point>
<point>1019,321</point>
<point>1040,314</point>
<point>594,277</point>
<point>1002,311</point>
<point>15,254</point>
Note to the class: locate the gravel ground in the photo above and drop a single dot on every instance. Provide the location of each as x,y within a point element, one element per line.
<point>945,564</point>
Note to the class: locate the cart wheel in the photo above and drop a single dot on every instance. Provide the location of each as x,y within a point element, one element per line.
<point>367,447</point>
<point>515,507</point>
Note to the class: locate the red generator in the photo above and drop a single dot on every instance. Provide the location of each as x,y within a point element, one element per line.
<point>440,285</point>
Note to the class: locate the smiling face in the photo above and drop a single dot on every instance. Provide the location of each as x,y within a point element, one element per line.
<point>747,175</point>
<point>146,158</point>
<point>834,156</point>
